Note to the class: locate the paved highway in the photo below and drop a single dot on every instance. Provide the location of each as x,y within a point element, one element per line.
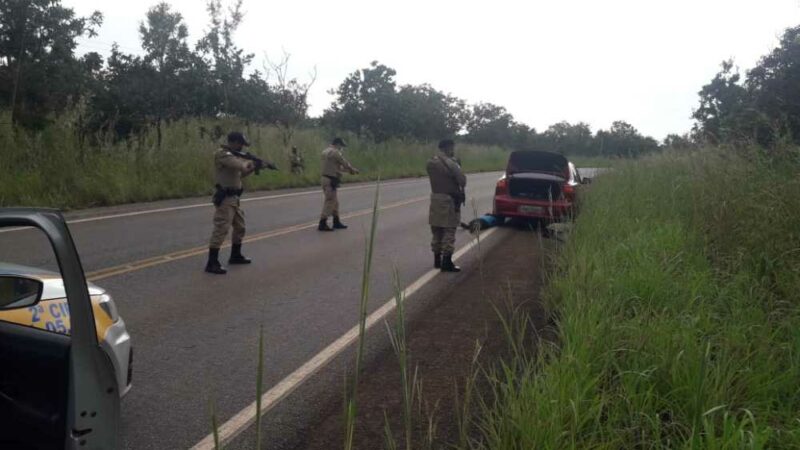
<point>195,334</point>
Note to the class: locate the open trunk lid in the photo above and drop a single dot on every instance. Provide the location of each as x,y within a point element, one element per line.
<point>536,175</point>
<point>541,162</point>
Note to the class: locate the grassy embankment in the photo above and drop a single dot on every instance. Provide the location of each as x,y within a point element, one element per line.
<point>54,169</point>
<point>677,302</point>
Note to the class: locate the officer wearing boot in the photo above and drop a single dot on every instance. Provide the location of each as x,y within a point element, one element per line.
<point>333,164</point>
<point>229,170</point>
<point>447,196</point>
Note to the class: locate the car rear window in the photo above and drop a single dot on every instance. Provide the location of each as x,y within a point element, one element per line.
<point>528,161</point>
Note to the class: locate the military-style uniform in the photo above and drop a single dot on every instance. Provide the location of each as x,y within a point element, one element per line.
<point>297,164</point>
<point>333,164</point>
<point>229,171</point>
<point>444,215</point>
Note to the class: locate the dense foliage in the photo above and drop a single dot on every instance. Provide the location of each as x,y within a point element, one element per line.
<point>760,108</point>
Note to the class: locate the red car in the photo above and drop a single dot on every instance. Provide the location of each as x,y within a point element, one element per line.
<point>539,186</point>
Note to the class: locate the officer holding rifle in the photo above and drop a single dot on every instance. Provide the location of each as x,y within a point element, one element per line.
<point>231,164</point>
<point>447,196</point>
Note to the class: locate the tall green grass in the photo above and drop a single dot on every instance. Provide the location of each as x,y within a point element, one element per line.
<point>56,168</point>
<point>678,312</point>
<point>351,400</point>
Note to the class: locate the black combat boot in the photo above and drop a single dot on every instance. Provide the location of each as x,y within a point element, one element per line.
<point>213,265</point>
<point>236,255</point>
<point>337,224</point>
<point>447,263</point>
<point>323,225</point>
<point>437,260</point>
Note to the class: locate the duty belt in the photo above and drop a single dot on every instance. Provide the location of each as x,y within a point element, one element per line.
<point>221,193</point>
<point>230,192</point>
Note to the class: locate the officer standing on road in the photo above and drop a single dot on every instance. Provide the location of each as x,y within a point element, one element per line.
<point>333,164</point>
<point>229,170</point>
<point>298,165</point>
<point>447,196</point>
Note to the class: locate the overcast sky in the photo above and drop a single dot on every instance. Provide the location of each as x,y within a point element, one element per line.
<point>596,61</point>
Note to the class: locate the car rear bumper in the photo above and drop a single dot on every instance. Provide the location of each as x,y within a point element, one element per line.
<point>117,344</point>
<point>508,206</point>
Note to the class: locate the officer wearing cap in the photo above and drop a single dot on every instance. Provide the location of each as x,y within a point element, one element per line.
<point>447,196</point>
<point>229,169</point>
<point>333,164</point>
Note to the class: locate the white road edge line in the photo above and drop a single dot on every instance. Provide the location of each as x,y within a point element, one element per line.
<point>246,417</point>
<point>207,204</point>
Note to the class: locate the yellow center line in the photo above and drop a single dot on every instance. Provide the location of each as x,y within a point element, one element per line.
<point>188,253</point>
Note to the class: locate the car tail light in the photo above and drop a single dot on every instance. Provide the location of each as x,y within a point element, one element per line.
<point>569,191</point>
<point>502,186</point>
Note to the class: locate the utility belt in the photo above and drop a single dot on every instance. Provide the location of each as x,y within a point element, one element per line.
<point>335,181</point>
<point>220,193</point>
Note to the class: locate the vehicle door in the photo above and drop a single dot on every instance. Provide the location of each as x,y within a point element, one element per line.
<point>57,391</point>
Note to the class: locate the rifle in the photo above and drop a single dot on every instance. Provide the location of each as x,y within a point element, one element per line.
<point>259,163</point>
<point>460,197</point>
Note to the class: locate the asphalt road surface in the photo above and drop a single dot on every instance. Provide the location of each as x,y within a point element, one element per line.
<point>195,334</point>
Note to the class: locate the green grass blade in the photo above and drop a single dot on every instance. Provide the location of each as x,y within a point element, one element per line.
<point>351,411</point>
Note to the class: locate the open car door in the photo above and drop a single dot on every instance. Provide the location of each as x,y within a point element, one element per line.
<point>57,391</point>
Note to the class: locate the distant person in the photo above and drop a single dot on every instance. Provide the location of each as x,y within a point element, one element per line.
<point>333,164</point>
<point>229,170</point>
<point>447,196</point>
<point>298,165</point>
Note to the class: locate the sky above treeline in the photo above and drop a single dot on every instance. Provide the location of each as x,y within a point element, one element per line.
<point>596,61</point>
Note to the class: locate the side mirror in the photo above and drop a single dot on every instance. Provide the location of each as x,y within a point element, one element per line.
<point>585,180</point>
<point>19,292</point>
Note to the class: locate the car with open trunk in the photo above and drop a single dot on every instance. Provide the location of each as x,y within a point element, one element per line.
<point>538,185</point>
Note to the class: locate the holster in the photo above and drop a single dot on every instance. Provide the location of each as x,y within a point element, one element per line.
<point>220,193</point>
<point>335,182</point>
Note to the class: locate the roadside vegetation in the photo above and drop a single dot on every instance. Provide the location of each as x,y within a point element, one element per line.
<point>677,314</point>
<point>53,169</point>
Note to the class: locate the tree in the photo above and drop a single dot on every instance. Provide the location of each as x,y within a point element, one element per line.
<point>722,106</point>
<point>678,142</point>
<point>289,98</point>
<point>367,103</point>
<point>39,73</point>
<point>490,124</point>
<point>566,138</point>
<point>623,140</point>
<point>163,39</point>
<point>774,90</point>
<point>226,60</point>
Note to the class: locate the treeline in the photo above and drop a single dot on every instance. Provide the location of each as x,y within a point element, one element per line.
<point>760,108</point>
<point>369,102</point>
<point>128,95</point>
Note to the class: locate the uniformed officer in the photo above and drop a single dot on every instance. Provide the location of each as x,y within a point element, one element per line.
<point>447,196</point>
<point>333,164</point>
<point>298,165</point>
<point>229,170</point>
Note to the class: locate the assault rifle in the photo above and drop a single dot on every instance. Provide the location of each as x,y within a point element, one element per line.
<point>259,163</point>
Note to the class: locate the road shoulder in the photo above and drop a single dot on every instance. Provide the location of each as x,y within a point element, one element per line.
<point>442,342</point>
